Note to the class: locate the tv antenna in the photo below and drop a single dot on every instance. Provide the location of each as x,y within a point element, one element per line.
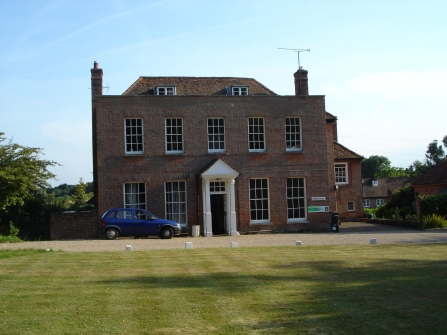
<point>107,87</point>
<point>298,52</point>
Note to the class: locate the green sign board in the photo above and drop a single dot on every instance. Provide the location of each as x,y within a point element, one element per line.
<point>317,209</point>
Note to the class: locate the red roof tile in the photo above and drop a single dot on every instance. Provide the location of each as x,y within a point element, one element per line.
<point>196,85</point>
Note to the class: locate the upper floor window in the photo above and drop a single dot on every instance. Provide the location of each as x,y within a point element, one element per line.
<point>256,134</point>
<point>174,135</point>
<point>293,134</point>
<point>341,173</point>
<point>133,133</point>
<point>165,90</point>
<point>135,195</point>
<point>216,135</point>
<point>239,90</point>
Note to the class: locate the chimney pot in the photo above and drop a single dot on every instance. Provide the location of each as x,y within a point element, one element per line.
<point>95,65</point>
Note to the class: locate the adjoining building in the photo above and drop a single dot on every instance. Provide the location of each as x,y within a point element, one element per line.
<point>223,153</point>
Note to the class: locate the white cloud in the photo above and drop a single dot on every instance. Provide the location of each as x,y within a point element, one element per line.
<point>401,85</point>
<point>76,133</point>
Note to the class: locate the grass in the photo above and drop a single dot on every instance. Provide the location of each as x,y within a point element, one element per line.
<point>382,289</point>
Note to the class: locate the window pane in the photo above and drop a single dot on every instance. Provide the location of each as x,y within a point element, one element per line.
<point>296,199</point>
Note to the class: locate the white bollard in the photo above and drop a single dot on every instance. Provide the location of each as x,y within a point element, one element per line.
<point>188,245</point>
<point>298,243</point>
<point>234,245</point>
<point>372,241</point>
<point>128,247</point>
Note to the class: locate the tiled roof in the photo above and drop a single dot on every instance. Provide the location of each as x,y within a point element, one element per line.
<point>437,175</point>
<point>341,152</point>
<point>329,116</point>
<point>386,187</point>
<point>196,85</point>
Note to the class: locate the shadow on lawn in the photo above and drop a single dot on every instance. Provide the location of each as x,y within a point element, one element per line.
<point>328,297</point>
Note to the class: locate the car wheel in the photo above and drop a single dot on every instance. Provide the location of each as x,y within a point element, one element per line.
<point>166,233</point>
<point>112,233</point>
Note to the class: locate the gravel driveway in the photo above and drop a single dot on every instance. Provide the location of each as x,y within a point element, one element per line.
<point>350,233</point>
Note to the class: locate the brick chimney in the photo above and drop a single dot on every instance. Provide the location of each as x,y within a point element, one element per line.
<point>301,85</point>
<point>96,80</point>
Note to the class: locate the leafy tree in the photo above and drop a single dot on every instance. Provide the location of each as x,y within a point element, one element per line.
<point>372,166</point>
<point>418,168</point>
<point>80,197</point>
<point>444,140</point>
<point>22,173</point>
<point>393,172</point>
<point>435,153</point>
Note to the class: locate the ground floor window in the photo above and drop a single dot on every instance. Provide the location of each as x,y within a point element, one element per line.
<point>135,195</point>
<point>259,201</point>
<point>175,201</point>
<point>351,206</point>
<point>366,203</point>
<point>379,202</point>
<point>296,199</point>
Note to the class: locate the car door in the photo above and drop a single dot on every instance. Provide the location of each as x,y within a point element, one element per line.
<point>145,224</point>
<point>125,220</point>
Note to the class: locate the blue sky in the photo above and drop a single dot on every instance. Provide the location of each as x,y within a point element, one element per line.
<point>380,64</point>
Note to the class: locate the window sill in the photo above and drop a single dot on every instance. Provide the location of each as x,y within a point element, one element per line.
<point>257,152</point>
<point>267,223</point>
<point>296,222</point>
<point>294,151</point>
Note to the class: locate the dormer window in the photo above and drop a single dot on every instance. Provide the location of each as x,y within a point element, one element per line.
<point>375,183</point>
<point>165,90</point>
<point>239,90</point>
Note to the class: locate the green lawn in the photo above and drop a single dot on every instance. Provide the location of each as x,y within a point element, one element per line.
<point>381,289</point>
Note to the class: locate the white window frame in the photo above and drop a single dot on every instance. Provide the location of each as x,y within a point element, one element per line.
<point>176,201</point>
<point>380,202</point>
<point>174,136</point>
<point>259,200</point>
<point>341,173</point>
<point>366,203</point>
<point>296,199</point>
<point>239,90</point>
<point>133,136</point>
<point>293,134</point>
<point>216,134</point>
<point>165,90</point>
<point>134,195</point>
<point>256,134</point>
<point>353,206</point>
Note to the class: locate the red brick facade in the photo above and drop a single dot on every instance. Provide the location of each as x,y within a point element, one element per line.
<point>315,163</point>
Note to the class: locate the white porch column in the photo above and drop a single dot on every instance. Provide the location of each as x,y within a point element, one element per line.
<point>232,204</point>
<point>207,220</point>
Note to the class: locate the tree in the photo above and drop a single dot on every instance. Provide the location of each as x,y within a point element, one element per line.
<point>372,166</point>
<point>393,172</point>
<point>435,153</point>
<point>444,140</point>
<point>23,173</point>
<point>80,197</point>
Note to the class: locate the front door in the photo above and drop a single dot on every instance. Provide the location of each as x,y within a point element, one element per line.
<point>218,213</point>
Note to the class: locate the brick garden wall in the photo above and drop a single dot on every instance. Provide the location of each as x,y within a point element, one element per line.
<point>71,226</point>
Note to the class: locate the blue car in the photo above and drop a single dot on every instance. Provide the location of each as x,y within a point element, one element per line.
<point>136,222</point>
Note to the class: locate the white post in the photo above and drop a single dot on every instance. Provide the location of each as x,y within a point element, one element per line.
<point>232,204</point>
<point>207,219</point>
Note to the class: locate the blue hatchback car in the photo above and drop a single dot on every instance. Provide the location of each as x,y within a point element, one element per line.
<point>136,222</point>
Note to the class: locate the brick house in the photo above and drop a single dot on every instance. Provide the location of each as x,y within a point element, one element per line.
<point>226,154</point>
<point>377,191</point>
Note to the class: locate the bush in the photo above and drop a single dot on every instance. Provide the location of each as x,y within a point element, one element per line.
<point>12,237</point>
<point>434,204</point>
<point>434,221</point>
